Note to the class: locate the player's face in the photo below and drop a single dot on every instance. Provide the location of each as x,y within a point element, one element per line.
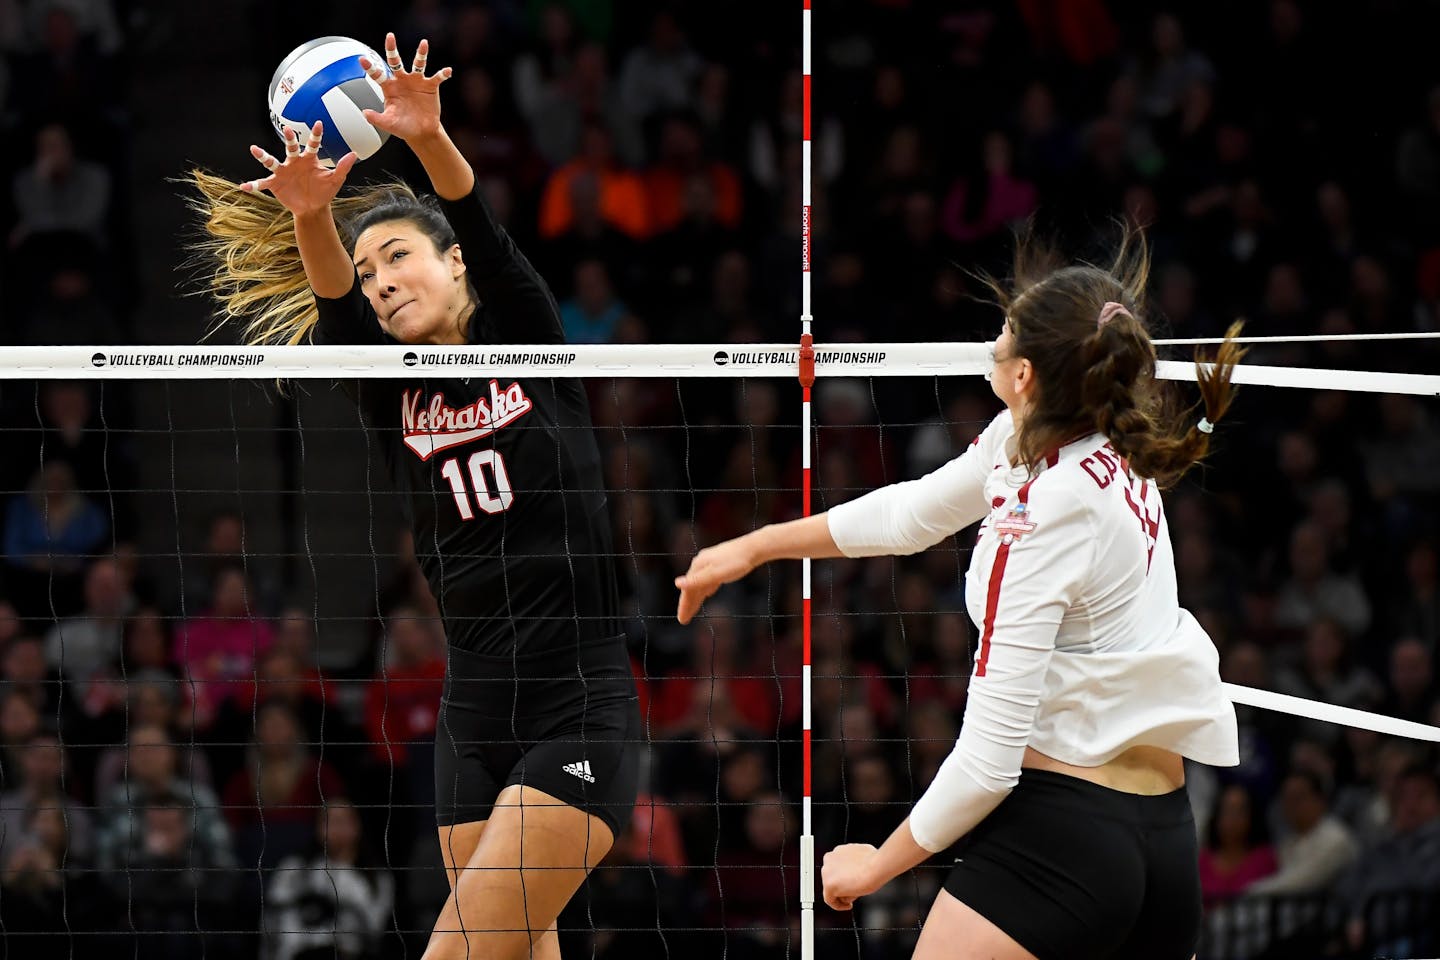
<point>418,292</point>
<point>1011,377</point>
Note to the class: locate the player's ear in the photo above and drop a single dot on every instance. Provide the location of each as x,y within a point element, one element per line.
<point>456,262</point>
<point>1024,377</point>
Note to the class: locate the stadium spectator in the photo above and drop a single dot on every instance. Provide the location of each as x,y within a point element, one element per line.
<point>337,897</point>
<point>1412,694</point>
<point>685,184</point>
<point>660,75</point>
<point>1316,847</point>
<point>1327,672</point>
<point>750,881</point>
<point>1237,852</point>
<point>595,313</point>
<point>1407,860</point>
<point>60,193</point>
<point>23,670</point>
<point>89,645</point>
<point>622,200</point>
<point>1315,589</point>
<point>403,698</point>
<point>272,800</point>
<point>169,874</point>
<point>153,769</point>
<point>42,786</point>
<point>49,530</point>
<point>19,725</point>
<point>218,649</point>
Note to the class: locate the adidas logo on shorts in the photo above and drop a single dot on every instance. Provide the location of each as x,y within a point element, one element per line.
<point>581,770</point>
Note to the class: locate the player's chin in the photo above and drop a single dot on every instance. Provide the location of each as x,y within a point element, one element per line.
<point>411,326</point>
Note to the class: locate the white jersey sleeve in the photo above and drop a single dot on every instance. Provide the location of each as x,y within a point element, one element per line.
<point>1046,550</point>
<point>908,517</point>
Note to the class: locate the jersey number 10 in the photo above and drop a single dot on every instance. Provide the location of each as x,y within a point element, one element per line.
<point>493,497</point>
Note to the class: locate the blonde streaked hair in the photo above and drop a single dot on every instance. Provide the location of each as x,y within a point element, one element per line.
<point>249,261</point>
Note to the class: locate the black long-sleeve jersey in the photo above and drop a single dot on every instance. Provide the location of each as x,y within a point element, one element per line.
<point>501,477</point>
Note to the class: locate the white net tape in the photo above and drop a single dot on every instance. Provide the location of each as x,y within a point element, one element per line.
<point>603,360</point>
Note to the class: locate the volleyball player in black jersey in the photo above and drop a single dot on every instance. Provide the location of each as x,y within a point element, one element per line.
<point>537,747</point>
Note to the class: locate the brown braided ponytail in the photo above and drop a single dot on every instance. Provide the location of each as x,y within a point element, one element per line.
<point>1094,377</point>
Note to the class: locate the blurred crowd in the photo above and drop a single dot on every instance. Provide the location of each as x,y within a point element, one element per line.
<point>175,765</point>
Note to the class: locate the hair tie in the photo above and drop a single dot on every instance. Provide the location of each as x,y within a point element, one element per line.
<point>1109,311</point>
<point>1205,426</point>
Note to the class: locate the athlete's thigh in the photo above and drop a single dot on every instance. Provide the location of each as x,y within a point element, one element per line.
<point>532,856</point>
<point>954,931</point>
<point>457,845</point>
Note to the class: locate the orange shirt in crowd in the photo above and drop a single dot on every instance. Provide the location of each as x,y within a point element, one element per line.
<point>665,194</point>
<point>622,201</point>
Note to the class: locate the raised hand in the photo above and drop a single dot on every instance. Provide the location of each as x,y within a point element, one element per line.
<point>412,100</point>
<point>300,183</point>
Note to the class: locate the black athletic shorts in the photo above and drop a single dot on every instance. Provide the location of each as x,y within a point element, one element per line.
<point>1072,869</point>
<point>566,723</point>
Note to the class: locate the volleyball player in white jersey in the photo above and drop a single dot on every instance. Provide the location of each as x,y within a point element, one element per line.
<point>1090,683</point>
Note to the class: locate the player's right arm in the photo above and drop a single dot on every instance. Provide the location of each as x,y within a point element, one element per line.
<point>519,304</point>
<point>306,189</point>
<point>900,519</point>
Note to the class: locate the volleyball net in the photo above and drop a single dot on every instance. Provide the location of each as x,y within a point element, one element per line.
<point>273,794</point>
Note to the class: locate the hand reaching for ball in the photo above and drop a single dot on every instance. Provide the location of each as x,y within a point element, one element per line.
<point>412,100</point>
<point>301,184</point>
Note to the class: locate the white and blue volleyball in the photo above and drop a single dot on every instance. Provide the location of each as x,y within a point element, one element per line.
<point>323,80</point>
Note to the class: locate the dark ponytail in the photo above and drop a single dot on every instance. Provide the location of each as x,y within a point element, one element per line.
<point>1094,377</point>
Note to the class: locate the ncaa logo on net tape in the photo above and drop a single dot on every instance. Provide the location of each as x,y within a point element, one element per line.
<point>410,359</point>
<point>721,358</point>
<point>98,360</point>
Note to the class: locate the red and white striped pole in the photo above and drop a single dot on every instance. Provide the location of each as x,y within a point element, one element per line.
<point>807,380</point>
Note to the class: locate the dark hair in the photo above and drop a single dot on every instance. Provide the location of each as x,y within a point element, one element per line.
<point>1419,771</point>
<point>422,210</point>
<point>1259,834</point>
<point>1311,779</point>
<point>1100,378</point>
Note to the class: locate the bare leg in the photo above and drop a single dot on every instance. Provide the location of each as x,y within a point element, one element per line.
<point>499,909</point>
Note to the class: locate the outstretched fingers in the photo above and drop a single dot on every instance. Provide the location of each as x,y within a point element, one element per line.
<point>252,186</point>
<point>397,66</point>
<point>392,54</point>
<point>266,160</point>
<point>269,163</point>
<point>373,70</point>
<point>317,136</point>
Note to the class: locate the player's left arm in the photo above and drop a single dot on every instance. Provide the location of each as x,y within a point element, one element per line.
<point>519,302</point>
<point>1032,581</point>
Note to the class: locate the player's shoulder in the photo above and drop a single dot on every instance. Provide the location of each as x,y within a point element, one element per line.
<point>995,434</point>
<point>1064,489</point>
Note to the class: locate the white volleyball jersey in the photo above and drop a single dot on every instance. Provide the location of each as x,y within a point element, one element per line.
<point>1084,650</point>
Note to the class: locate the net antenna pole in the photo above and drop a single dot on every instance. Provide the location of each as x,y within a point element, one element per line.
<point>806,371</point>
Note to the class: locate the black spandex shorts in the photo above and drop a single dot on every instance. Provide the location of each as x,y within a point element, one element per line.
<point>566,723</point>
<point>1072,869</point>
